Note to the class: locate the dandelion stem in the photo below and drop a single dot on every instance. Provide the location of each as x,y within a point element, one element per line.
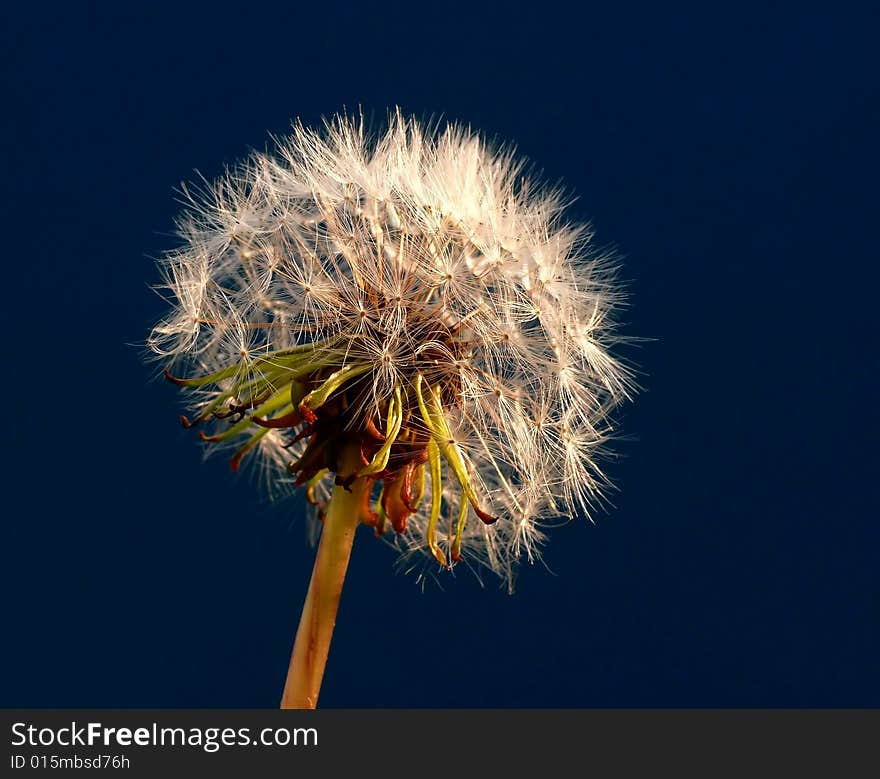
<point>318,618</point>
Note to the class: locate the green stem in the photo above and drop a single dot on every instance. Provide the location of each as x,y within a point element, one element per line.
<point>318,618</point>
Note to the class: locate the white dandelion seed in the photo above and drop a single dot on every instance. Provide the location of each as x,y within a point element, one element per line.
<point>415,297</point>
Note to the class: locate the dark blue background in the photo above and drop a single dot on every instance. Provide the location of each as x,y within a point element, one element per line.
<point>731,157</point>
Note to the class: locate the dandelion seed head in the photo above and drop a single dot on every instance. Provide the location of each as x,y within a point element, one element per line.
<point>414,294</point>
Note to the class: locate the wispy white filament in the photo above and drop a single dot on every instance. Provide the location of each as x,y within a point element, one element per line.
<point>291,248</point>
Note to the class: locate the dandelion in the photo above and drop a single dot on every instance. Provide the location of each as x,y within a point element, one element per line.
<point>405,327</point>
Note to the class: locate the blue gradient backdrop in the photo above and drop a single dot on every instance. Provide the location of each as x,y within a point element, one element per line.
<point>732,159</point>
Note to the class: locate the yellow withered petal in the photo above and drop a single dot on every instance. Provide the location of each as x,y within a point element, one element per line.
<point>392,428</point>
<point>436,502</point>
<point>318,397</point>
